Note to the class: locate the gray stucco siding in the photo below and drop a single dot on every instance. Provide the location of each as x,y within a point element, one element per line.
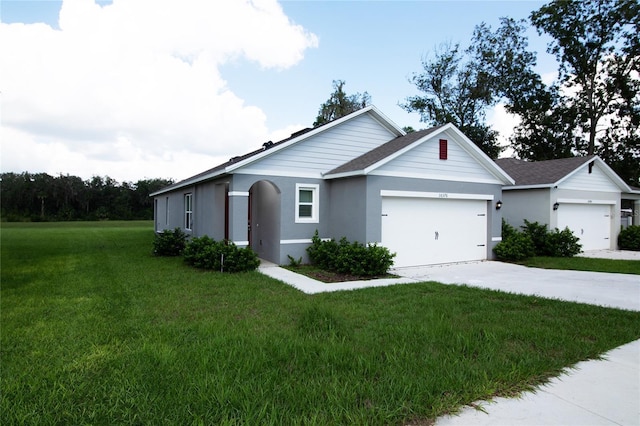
<point>533,205</point>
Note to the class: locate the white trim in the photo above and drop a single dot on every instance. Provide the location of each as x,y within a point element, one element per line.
<point>584,201</point>
<point>541,186</point>
<point>470,179</point>
<point>302,241</point>
<point>494,239</point>
<point>241,243</point>
<point>441,195</point>
<point>612,175</point>
<point>238,193</point>
<point>315,203</point>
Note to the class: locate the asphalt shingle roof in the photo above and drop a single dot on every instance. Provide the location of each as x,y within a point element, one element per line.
<point>540,172</point>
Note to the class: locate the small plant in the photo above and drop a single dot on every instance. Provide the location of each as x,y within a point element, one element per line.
<point>293,262</point>
<point>629,238</point>
<point>224,256</point>
<point>169,243</point>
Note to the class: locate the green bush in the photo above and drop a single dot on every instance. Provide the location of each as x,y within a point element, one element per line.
<point>350,258</point>
<point>561,244</point>
<point>629,238</point>
<point>206,253</point>
<point>539,236</point>
<point>169,243</point>
<point>516,246</point>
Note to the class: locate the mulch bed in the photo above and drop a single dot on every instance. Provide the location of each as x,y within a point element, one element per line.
<point>332,277</point>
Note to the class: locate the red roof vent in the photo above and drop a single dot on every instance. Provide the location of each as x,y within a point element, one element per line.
<point>443,149</point>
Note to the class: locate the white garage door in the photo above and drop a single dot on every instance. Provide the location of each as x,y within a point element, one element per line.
<point>589,222</point>
<point>424,231</point>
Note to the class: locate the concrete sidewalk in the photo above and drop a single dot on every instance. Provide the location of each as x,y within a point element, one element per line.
<point>598,392</point>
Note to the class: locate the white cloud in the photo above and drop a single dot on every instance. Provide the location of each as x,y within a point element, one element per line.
<point>133,89</point>
<point>504,123</point>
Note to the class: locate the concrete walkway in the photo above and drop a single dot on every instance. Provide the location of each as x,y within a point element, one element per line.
<point>599,392</point>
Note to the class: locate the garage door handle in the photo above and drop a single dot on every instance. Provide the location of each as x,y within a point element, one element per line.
<point>437,235</point>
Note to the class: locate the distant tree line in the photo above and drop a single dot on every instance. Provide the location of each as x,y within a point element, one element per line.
<point>42,197</point>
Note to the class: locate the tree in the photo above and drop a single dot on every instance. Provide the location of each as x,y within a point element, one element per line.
<point>455,92</point>
<point>596,44</point>
<point>340,104</point>
<point>547,125</point>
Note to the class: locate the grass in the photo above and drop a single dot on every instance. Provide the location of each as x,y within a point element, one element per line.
<point>585,264</point>
<point>96,330</point>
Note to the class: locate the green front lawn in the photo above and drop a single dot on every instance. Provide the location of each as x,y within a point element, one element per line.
<point>96,330</point>
<point>585,264</point>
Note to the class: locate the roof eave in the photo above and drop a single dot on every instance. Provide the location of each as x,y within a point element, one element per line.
<point>330,176</point>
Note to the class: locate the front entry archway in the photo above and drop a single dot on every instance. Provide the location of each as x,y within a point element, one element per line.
<point>264,220</point>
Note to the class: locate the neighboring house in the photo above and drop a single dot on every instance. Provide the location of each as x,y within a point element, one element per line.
<point>429,196</point>
<point>581,193</point>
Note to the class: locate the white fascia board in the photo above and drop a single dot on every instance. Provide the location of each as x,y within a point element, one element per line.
<point>584,201</point>
<point>386,121</point>
<point>441,195</point>
<point>516,187</point>
<point>344,174</point>
<point>435,177</point>
<point>617,180</point>
<point>188,182</point>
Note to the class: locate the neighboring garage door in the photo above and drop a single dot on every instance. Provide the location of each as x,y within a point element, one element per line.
<point>589,222</point>
<point>424,231</point>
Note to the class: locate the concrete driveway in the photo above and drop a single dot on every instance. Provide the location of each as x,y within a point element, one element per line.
<point>596,288</point>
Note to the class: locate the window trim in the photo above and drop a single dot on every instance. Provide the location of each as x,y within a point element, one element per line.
<point>188,211</point>
<point>315,203</point>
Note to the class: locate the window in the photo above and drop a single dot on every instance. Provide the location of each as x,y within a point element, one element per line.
<point>188,210</point>
<point>443,149</point>
<point>307,203</point>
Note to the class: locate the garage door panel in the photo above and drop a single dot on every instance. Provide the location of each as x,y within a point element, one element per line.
<point>430,231</point>
<point>589,222</point>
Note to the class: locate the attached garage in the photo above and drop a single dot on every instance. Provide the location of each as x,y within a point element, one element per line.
<point>425,228</point>
<point>588,221</point>
<point>581,193</point>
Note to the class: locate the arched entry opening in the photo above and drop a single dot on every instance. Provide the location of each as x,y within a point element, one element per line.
<point>264,220</point>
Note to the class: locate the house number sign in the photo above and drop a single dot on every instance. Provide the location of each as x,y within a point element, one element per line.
<point>443,195</point>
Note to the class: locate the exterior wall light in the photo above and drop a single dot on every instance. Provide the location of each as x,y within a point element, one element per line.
<point>498,205</point>
<point>555,206</point>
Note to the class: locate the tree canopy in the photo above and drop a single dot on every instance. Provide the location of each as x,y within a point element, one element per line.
<point>455,91</point>
<point>340,104</point>
<point>592,108</point>
<point>42,197</point>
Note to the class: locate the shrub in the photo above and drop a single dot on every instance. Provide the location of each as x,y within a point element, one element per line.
<point>169,243</point>
<point>539,236</point>
<point>350,258</point>
<point>629,238</point>
<point>206,253</point>
<point>517,246</point>
<point>562,243</point>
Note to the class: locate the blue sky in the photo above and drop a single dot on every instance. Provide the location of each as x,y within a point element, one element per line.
<point>155,88</point>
